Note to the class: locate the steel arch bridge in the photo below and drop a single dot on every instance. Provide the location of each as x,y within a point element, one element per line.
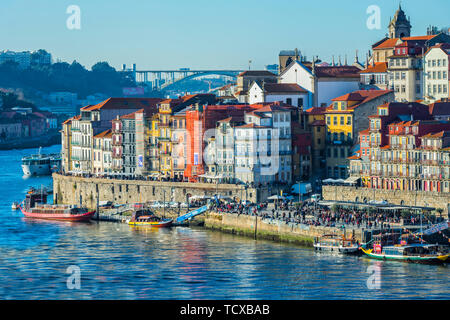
<point>161,79</point>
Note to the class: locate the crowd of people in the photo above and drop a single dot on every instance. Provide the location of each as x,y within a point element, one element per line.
<point>310,213</point>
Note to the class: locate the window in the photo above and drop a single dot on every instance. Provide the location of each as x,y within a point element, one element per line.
<point>349,120</point>
<point>300,102</point>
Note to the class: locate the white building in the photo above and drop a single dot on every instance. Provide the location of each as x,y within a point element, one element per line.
<point>22,58</point>
<point>437,77</point>
<point>263,146</point>
<point>322,82</point>
<point>289,93</point>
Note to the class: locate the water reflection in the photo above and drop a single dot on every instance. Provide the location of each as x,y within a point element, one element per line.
<point>122,262</point>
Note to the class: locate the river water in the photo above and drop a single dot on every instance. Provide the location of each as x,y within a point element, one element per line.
<point>116,261</point>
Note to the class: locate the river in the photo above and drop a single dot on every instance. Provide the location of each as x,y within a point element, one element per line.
<point>116,261</point>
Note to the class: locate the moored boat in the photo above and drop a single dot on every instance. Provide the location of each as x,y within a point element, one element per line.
<point>15,205</point>
<point>34,206</point>
<point>408,250</point>
<point>41,164</point>
<point>336,243</point>
<point>144,217</point>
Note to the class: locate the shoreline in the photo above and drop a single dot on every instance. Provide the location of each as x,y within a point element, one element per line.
<point>48,140</point>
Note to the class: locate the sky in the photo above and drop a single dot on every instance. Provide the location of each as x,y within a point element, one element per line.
<point>204,34</point>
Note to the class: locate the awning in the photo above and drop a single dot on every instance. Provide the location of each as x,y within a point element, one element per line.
<point>352,180</point>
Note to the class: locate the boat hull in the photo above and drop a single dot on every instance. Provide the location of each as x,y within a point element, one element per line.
<point>159,224</point>
<point>413,259</point>
<point>60,217</point>
<point>36,170</point>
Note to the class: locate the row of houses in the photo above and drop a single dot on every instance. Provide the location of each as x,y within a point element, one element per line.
<point>405,147</point>
<point>188,139</point>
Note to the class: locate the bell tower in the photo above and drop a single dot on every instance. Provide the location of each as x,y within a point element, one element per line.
<point>400,26</point>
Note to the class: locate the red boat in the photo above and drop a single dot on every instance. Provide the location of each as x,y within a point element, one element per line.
<point>34,207</point>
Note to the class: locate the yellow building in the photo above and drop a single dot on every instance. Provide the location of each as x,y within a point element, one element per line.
<point>152,153</point>
<point>345,118</point>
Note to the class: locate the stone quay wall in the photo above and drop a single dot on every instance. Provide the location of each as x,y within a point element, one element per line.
<point>259,228</point>
<point>89,191</point>
<point>400,197</point>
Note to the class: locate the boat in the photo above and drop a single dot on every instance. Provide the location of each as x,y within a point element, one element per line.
<point>336,243</point>
<point>15,205</point>
<point>35,206</point>
<point>41,164</point>
<point>142,216</point>
<point>408,250</point>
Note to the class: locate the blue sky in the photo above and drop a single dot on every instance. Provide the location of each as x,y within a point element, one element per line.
<point>204,33</point>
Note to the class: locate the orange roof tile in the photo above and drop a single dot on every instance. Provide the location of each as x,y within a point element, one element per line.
<point>104,134</point>
<point>379,67</point>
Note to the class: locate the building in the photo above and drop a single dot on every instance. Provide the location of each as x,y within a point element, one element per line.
<point>246,78</point>
<point>316,125</point>
<point>323,83</point>
<point>222,159</point>
<point>289,93</point>
<point>415,157</point>
<point>178,139</point>
<point>437,72</point>
<point>129,155</point>
<point>117,147</point>
<point>286,57</point>
<point>23,59</point>
<point>345,118</point>
<point>375,76</point>
<point>102,156</point>
<point>264,147</point>
<point>66,142</point>
<point>94,119</point>
<point>405,69</point>
<point>440,110</point>
<point>399,26</point>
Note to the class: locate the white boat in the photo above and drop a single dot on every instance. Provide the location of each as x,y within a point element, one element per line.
<point>41,164</point>
<point>15,205</point>
<point>335,243</point>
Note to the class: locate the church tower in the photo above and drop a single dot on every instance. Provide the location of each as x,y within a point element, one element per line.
<point>399,27</point>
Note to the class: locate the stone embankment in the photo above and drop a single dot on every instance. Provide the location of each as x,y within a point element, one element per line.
<point>269,229</point>
<point>90,191</point>
<point>400,197</point>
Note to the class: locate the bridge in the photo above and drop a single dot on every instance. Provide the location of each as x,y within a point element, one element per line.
<point>162,79</point>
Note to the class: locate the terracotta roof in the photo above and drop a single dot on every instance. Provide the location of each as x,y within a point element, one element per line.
<point>283,87</point>
<point>439,134</point>
<point>125,103</point>
<point>439,108</point>
<point>128,116</point>
<point>316,110</point>
<point>352,96</point>
<point>337,72</point>
<point>251,125</point>
<point>104,134</point>
<point>237,118</point>
<point>366,95</point>
<point>257,73</point>
<point>354,157</point>
<point>379,67</point>
<point>364,131</point>
<point>391,43</point>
